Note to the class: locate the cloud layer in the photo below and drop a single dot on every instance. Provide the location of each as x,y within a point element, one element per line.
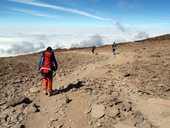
<point>23,48</point>
<point>29,42</point>
<point>96,40</point>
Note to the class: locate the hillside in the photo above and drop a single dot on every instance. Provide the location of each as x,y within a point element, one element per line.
<point>128,90</point>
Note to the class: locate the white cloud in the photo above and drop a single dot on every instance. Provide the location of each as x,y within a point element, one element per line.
<point>61,8</point>
<point>69,37</point>
<point>141,35</point>
<point>22,48</point>
<point>134,33</point>
<point>121,27</point>
<point>95,40</point>
<point>2,51</point>
<point>29,43</point>
<point>36,13</point>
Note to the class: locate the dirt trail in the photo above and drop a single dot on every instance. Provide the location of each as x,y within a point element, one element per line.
<point>74,111</point>
<point>72,114</point>
<point>54,114</point>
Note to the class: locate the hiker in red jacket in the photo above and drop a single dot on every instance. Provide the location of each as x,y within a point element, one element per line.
<point>47,65</point>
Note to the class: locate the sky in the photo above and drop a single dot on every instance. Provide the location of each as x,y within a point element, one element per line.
<point>28,26</point>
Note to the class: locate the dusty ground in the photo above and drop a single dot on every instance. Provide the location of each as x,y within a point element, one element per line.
<point>128,90</point>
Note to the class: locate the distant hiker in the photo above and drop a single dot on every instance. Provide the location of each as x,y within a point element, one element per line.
<point>113,47</point>
<point>93,49</point>
<point>47,64</point>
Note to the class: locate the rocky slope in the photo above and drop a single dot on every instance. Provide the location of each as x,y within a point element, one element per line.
<point>128,90</point>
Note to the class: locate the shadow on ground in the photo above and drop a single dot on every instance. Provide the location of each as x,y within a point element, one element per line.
<point>71,86</point>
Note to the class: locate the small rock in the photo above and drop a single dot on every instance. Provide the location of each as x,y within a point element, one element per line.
<point>144,124</point>
<point>127,106</point>
<point>39,83</point>
<point>165,65</point>
<point>126,74</point>
<point>112,111</point>
<point>62,112</point>
<point>73,90</point>
<point>30,109</point>
<point>61,88</point>
<point>60,125</point>
<point>18,126</point>
<point>87,110</point>
<point>155,79</point>
<point>106,86</point>
<point>2,102</point>
<point>34,90</point>
<point>98,124</point>
<point>14,118</point>
<point>90,122</point>
<point>65,100</point>
<point>138,117</point>
<point>98,110</point>
<point>53,120</point>
<point>84,68</point>
<point>20,118</point>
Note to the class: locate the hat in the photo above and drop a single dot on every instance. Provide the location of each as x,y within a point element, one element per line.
<point>49,49</point>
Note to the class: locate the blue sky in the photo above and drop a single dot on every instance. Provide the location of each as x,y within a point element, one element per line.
<point>83,12</point>
<point>76,21</point>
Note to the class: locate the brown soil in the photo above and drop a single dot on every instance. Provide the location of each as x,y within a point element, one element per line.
<point>128,90</point>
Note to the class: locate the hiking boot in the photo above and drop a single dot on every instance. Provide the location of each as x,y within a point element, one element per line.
<point>45,92</point>
<point>49,93</point>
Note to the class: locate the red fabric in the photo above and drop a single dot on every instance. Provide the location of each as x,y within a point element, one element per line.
<point>47,61</point>
<point>47,83</point>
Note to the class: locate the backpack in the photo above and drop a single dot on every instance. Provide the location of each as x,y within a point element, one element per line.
<point>43,61</point>
<point>40,62</point>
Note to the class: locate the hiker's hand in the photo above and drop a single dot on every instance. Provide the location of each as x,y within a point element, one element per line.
<point>38,71</point>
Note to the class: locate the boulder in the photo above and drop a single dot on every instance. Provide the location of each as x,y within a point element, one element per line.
<point>18,100</point>
<point>32,108</point>
<point>98,111</point>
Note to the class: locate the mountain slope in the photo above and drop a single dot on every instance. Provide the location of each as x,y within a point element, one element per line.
<point>126,90</point>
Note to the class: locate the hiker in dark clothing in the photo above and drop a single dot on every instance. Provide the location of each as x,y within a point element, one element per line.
<point>113,47</point>
<point>47,64</point>
<point>93,49</point>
